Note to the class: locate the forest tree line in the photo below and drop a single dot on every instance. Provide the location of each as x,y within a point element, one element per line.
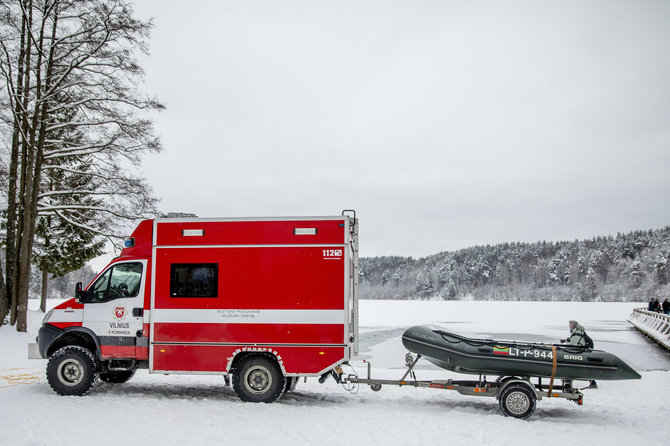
<point>622,268</point>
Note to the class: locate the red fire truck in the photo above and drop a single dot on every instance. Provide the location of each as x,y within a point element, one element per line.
<point>262,300</point>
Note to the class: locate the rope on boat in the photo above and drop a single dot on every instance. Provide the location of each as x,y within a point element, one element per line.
<point>456,339</point>
<point>553,370</point>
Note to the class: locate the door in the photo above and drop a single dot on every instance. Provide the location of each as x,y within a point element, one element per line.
<point>113,308</point>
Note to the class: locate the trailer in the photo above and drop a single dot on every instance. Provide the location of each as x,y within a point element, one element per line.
<point>517,395</point>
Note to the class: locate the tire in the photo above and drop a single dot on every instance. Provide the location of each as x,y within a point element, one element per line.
<point>72,370</point>
<point>118,377</point>
<point>258,379</point>
<point>518,401</point>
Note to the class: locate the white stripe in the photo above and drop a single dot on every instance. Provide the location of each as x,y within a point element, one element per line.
<point>249,316</point>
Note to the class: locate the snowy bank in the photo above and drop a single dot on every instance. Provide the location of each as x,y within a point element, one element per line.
<point>173,410</point>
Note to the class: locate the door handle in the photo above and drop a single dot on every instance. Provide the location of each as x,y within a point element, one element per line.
<point>138,312</point>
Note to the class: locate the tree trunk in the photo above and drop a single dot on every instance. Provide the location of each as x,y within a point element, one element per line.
<point>4,307</point>
<point>10,250</point>
<point>45,284</point>
<point>33,178</point>
<point>27,134</point>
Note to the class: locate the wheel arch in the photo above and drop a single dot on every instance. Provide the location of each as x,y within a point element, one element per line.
<point>80,336</point>
<point>508,381</point>
<point>241,353</point>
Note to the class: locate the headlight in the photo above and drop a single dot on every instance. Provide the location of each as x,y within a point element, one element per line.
<point>47,316</point>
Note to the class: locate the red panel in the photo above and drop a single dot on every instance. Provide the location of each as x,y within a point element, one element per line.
<point>124,351</point>
<point>192,358</point>
<point>310,359</point>
<point>143,240</point>
<point>65,324</point>
<point>258,278</point>
<point>251,333</point>
<point>250,233</point>
<point>116,351</point>
<point>205,358</point>
<point>141,353</point>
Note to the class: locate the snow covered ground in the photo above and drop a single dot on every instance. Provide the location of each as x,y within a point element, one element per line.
<point>199,410</point>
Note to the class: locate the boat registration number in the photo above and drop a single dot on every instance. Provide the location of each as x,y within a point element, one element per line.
<point>532,353</point>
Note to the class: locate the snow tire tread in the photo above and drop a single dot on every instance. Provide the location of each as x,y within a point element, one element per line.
<point>78,354</point>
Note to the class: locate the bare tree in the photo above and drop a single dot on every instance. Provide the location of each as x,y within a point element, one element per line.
<point>69,69</point>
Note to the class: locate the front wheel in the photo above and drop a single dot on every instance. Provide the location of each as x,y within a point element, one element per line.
<point>72,370</point>
<point>518,401</point>
<point>258,379</point>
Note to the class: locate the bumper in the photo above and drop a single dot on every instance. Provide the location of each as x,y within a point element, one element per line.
<point>34,351</point>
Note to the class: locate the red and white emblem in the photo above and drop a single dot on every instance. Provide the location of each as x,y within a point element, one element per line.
<point>119,312</point>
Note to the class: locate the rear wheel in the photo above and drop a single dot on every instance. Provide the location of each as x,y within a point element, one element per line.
<point>118,377</point>
<point>258,379</point>
<point>72,370</point>
<point>518,401</point>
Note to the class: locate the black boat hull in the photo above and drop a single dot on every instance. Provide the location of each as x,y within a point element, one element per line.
<point>504,358</point>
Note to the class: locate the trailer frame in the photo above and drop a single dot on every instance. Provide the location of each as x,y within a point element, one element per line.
<point>517,395</point>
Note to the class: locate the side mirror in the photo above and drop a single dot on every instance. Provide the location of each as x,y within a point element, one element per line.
<point>80,295</point>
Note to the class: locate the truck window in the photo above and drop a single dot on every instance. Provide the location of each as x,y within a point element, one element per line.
<point>122,280</point>
<point>194,279</point>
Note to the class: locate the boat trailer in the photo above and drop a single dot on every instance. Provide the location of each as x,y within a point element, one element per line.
<point>517,396</point>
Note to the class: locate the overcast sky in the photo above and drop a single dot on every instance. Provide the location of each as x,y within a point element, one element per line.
<point>444,124</point>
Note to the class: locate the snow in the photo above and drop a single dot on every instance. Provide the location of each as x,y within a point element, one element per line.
<point>199,410</point>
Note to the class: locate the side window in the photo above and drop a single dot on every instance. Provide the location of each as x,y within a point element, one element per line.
<point>194,280</point>
<point>122,280</point>
<point>99,288</point>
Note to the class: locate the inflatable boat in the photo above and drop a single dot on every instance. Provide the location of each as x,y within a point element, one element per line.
<point>507,358</point>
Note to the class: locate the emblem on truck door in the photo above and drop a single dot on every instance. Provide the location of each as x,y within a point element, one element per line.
<point>120,312</point>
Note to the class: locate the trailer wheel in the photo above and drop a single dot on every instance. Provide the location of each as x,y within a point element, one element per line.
<point>518,401</point>
<point>258,379</point>
<point>72,370</point>
<point>376,387</point>
<point>119,377</point>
